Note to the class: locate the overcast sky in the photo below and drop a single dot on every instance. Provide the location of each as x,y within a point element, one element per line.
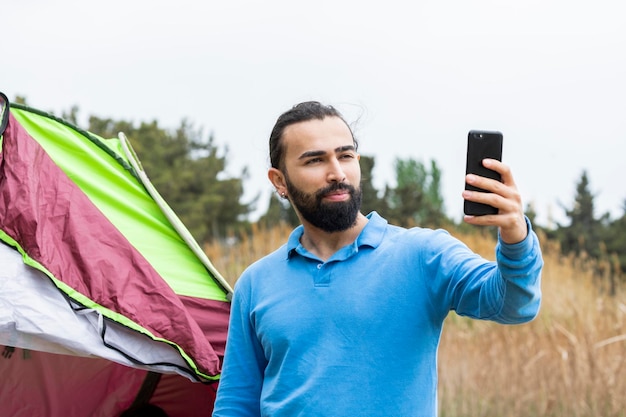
<point>413,76</point>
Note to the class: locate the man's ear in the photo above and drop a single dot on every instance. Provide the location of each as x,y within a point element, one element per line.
<point>277,179</point>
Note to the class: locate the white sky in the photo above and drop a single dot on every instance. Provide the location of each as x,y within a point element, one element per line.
<point>551,75</point>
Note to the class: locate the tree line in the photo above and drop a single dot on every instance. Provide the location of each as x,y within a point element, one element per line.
<point>189,170</point>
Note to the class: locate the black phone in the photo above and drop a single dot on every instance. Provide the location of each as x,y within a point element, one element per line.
<point>481,144</point>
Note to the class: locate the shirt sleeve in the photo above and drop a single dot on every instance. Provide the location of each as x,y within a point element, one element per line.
<point>520,266</point>
<point>240,384</point>
<point>506,291</point>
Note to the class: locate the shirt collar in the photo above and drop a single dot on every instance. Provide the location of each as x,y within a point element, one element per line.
<point>371,235</point>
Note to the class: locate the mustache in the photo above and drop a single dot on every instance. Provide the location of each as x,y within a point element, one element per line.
<point>335,187</point>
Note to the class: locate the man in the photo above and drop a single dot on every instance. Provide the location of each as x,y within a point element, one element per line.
<point>345,318</point>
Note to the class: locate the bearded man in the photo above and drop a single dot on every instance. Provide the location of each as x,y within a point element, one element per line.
<point>345,318</point>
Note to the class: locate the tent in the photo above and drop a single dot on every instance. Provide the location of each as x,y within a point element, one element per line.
<point>106,301</point>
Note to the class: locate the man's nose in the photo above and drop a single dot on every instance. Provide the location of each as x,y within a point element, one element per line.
<point>335,172</point>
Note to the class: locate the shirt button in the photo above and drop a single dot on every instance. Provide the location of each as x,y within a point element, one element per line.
<point>319,266</point>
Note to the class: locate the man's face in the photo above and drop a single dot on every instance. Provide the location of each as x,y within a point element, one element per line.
<point>322,173</point>
<point>327,216</point>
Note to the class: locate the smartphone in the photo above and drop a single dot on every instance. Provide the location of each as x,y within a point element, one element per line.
<point>481,144</point>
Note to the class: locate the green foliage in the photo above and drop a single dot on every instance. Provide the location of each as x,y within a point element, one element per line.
<point>416,199</point>
<point>584,232</point>
<point>371,199</point>
<point>597,238</point>
<point>279,211</point>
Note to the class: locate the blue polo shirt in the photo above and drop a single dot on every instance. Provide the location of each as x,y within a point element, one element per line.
<point>358,335</point>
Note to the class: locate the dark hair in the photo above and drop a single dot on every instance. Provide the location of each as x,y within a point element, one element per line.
<point>302,112</point>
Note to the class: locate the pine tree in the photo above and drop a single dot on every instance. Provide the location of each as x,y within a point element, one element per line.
<point>584,232</point>
<point>416,199</point>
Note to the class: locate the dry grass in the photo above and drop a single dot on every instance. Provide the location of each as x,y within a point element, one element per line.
<point>231,260</point>
<point>570,361</point>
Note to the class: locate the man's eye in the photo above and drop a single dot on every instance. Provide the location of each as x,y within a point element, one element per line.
<point>313,160</point>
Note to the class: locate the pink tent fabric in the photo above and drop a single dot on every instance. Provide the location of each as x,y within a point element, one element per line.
<point>46,384</point>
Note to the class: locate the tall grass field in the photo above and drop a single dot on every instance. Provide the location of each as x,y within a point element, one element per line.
<point>569,362</point>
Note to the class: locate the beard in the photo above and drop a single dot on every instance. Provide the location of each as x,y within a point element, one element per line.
<point>329,217</point>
